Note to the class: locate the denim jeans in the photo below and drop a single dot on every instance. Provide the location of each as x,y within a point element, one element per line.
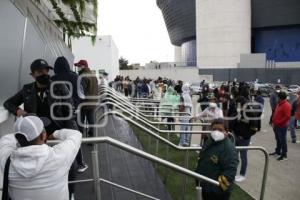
<point>292,127</point>
<point>184,137</point>
<point>243,153</point>
<point>281,144</point>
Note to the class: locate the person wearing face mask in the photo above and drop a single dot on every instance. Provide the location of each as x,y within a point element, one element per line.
<point>280,122</point>
<point>38,99</point>
<point>274,100</point>
<point>218,160</point>
<point>32,169</point>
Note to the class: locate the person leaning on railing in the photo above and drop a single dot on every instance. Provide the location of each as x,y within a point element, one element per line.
<point>35,170</point>
<point>218,160</point>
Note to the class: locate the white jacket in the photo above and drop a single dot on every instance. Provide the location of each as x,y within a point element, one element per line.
<point>40,172</point>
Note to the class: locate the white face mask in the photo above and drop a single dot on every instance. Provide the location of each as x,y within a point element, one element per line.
<point>212,105</point>
<point>217,136</point>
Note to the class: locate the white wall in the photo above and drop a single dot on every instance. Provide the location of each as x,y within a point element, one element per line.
<point>177,54</point>
<point>186,75</point>
<point>104,55</point>
<point>223,32</point>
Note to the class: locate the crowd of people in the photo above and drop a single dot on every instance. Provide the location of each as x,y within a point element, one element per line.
<point>231,108</point>
<point>58,107</point>
<point>66,102</point>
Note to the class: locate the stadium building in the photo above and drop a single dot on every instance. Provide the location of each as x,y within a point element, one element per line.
<point>216,34</point>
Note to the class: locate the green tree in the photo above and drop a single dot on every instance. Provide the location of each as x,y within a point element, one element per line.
<point>123,64</point>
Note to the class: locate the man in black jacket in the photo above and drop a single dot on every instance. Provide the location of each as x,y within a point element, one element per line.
<point>63,73</point>
<point>44,100</point>
<point>38,99</point>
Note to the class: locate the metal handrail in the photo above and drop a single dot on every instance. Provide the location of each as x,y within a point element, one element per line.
<point>158,130</point>
<point>140,153</point>
<point>143,112</point>
<point>262,149</point>
<point>265,172</point>
<point>113,184</point>
<point>117,104</point>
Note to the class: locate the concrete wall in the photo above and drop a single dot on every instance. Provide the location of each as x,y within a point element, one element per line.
<point>26,34</point>
<point>223,30</point>
<point>184,74</point>
<point>177,54</point>
<point>257,60</point>
<point>104,55</point>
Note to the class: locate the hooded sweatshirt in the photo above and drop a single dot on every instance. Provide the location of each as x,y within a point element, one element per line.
<point>169,101</point>
<point>63,72</point>
<point>40,172</point>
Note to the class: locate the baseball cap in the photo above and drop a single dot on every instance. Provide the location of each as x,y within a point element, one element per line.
<point>30,126</point>
<point>39,64</point>
<point>81,63</point>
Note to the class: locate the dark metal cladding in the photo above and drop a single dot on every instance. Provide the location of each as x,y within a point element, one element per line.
<point>269,13</point>
<point>180,19</point>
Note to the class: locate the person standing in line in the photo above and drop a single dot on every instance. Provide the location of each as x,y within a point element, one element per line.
<point>293,124</point>
<point>297,114</point>
<point>280,121</point>
<point>37,98</point>
<point>274,100</point>
<point>63,72</point>
<point>261,102</point>
<point>218,160</point>
<point>90,88</point>
<point>185,106</point>
<point>35,170</point>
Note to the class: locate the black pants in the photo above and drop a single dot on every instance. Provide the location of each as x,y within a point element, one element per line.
<point>170,126</point>
<point>89,114</point>
<point>214,196</point>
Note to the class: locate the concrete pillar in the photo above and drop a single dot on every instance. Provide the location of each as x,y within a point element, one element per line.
<point>223,32</point>
<point>177,54</point>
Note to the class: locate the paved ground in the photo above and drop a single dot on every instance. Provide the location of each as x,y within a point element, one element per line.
<point>283,181</point>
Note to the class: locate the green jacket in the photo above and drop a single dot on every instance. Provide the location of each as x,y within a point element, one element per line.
<point>217,158</point>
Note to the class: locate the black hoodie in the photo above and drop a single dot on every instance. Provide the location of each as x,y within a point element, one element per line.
<point>63,73</point>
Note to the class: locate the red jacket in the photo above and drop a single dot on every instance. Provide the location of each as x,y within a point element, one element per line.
<point>282,114</point>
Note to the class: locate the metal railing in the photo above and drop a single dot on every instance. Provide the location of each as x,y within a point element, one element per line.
<point>167,142</point>
<point>186,149</point>
<point>137,152</point>
<point>150,123</point>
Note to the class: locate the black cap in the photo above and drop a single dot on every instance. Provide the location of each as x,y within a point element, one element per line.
<point>39,64</point>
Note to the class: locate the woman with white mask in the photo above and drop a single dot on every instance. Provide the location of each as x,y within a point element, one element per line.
<point>218,160</point>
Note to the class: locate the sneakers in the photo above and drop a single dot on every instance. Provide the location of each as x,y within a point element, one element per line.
<point>293,140</point>
<point>82,168</point>
<point>282,158</point>
<point>274,154</point>
<point>240,178</point>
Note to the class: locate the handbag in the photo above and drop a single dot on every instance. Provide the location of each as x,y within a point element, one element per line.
<point>5,195</point>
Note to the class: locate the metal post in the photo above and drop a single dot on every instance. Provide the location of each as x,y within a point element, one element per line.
<point>167,158</point>
<point>265,174</point>
<point>96,174</point>
<point>186,165</point>
<point>199,193</point>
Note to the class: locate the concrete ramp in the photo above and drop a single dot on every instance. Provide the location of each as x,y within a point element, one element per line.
<point>121,167</point>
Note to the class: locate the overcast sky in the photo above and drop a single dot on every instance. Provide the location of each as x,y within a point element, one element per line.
<point>138,29</point>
